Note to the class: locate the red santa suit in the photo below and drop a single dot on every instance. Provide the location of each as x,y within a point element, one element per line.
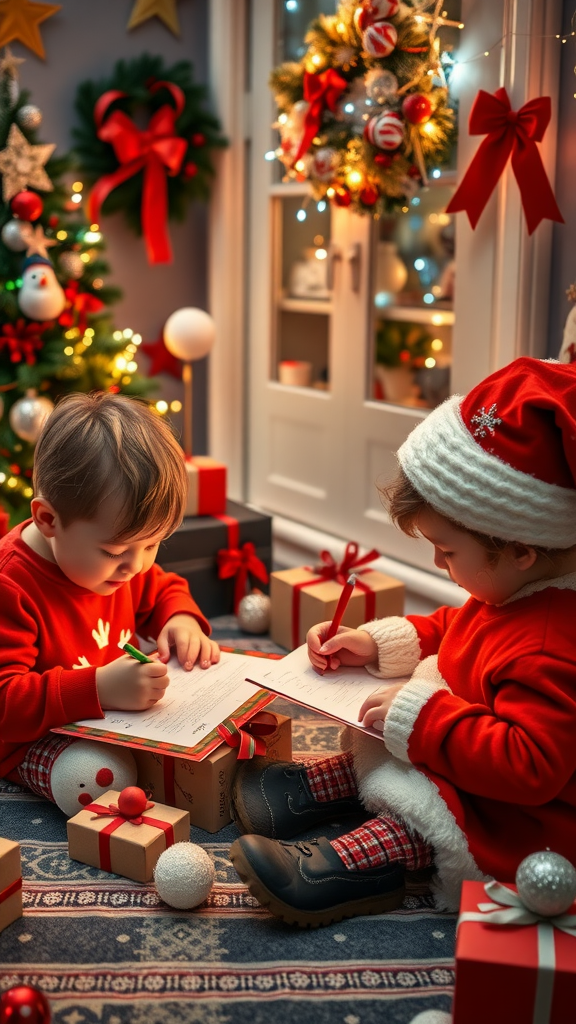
<point>479,753</point>
<point>55,635</point>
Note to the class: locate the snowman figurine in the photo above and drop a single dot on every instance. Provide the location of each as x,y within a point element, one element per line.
<point>40,297</point>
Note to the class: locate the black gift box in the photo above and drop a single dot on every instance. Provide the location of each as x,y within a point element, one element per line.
<point>192,553</point>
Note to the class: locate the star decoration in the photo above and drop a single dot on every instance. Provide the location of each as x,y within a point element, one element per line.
<point>161,360</point>
<point>19,19</point>
<point>38,244</point>
<point>22,164</point>
<point>9,63</point>
<point>163,9</point>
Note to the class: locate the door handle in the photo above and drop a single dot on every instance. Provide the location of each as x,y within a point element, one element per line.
<point>334,253</point>
<point>354,257</point>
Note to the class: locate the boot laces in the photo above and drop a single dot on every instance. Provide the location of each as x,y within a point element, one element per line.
<point>302,847</point>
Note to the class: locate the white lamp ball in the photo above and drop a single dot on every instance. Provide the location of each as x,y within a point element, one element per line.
<point>189,334</point>
<point>432,1017</point>
<point>184,875</point>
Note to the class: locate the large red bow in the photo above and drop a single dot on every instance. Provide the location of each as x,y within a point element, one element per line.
<point>157,150</point>
<point>239,562</point>
<point>320,91</point>
<point>508,133</point>
<point>249,739</point>
<point>78,303</point>
<point>329,569</point>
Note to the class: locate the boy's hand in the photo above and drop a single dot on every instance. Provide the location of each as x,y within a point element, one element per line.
<point>192,645</point>
<point>377,705</point>
<point>129,685</point>
<point>348,647</point>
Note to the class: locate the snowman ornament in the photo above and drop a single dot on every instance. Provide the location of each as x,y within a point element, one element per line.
<point>40,297</point>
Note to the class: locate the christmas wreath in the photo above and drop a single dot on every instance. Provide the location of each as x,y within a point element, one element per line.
<point>364,115</point>
<point>145,143</point>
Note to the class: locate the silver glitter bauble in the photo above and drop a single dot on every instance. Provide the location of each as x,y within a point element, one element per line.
<point>29,117</point>
<point>254,613</point>
<point>71,264</point>
<point>381,85</point>
<point>546,883</point>
<point>28,414</point>
<point>16,235</point>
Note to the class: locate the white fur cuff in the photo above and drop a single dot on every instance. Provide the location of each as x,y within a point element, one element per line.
<point>408,704</point>
<point>398,646</point>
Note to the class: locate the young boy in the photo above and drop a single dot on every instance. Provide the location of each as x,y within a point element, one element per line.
<point>79,578</point>
<point>477,767</point>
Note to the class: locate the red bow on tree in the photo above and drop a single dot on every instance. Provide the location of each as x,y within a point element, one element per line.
<point>78,306</point>
<point>239,562</point>
<point>509,133</point>
<point>329,569</point>
<point>320,91</point>
<point>22,340</point>
<point>157,151</point>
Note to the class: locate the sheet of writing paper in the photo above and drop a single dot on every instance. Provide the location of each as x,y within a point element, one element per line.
<point>338,694</point>
<point>194,703</point>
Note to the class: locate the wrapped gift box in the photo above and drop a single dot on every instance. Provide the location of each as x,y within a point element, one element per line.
<point>118,845</point>
<point>203,787</point>
<point>317,602</point>
<point>10,883</point>
<point>497,969</point>
<point>206,486</point>
<point>192,552</point>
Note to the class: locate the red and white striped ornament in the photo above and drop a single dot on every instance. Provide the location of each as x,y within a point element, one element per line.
<point>374,10</point>
<point>380,38</point>
<point>386,130</point>
<point>325,163</point>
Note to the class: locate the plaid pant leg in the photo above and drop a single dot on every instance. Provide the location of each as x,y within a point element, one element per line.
<point>381,841</point>
<point>36,768</point>
<point>332,778</point>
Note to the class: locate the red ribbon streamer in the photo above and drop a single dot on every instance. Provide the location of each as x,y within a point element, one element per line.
<point>509,133</point>
<point>320,91</point>
<point>104,835</point>
<point>239,562</point>
<point>249,739</point>
<point>10,890</point>
<point>329,569</point>
<point>157,151</point>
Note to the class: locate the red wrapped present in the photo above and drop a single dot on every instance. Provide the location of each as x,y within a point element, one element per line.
<point>10,883</point>
<point>512,965</point>
<point>206,486</point>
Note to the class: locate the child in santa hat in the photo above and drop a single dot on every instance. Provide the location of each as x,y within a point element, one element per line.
<point>477,768</point>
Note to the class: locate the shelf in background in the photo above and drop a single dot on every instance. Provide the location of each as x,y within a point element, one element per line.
<point>305,305</point>
<point>417,314</point>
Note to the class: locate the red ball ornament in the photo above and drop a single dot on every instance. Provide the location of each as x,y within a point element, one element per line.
<point>132,801</point>
<point>198,139</point>
<point>26,205</point>
<point>190,169</point>
<point>342,197</point>
<point>413,172</point>
<point>417,108</point>
<point>369,195</point>
<point>53,220</point>
<point>24,1005</point>
<point>383,159</point>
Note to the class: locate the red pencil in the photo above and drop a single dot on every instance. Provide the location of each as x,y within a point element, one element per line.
<point>345,596</point>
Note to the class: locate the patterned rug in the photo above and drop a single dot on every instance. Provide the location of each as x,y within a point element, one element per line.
<point>107,950</point>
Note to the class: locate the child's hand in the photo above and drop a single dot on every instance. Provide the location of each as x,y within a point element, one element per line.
<point>129,685</point>
<point>377,705</point>
<point>185,634</point>
<point>348,647</point>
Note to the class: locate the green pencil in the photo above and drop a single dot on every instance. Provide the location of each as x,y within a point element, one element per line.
<point>134,653</point>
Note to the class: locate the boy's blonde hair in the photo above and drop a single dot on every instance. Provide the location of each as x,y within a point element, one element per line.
<point>100,446</point>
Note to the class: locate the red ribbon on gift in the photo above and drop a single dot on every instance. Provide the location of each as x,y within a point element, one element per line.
<point>248,738</point>
<point>329,569</point>
<point>157,151</point>
<point>119,819</point>
<point>320,91</point>
<point>509,133</point>
<point>10,890</point>
<point>239,562</point>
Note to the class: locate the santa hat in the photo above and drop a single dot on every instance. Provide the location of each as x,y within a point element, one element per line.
<point>502,461</point>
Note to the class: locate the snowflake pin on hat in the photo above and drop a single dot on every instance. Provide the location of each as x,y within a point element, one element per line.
<point>502,460</point>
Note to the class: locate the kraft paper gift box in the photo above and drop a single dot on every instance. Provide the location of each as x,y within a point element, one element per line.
<point>498,967</point>
<point>115,844</point>
<point>203,787</point>
<point>206,486</point>
<point>192,552</point>
<point>10,883</point>
<point>300,599</point>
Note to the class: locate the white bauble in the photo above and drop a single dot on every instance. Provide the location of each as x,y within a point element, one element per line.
<point>254,613</point>
<point>41,297</point>
<point>28,414</point>
<point>87,769</point>
<point>29,117</point>
<point>184,875</point>
<point>16,234</point>
<point>546,883</point>
<point>325,163</point>
<point>381,85</point>
<point>432,1017</point>
<point>189,334</point>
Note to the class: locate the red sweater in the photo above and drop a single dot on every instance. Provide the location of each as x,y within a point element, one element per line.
<point>55,634</point>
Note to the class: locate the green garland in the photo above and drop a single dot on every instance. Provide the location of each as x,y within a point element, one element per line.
<point>196,125</point>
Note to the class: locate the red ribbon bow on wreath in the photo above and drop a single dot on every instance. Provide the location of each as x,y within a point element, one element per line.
<point>157,151</point>
<point>509,133</point>
<point>22,340</point>
<point>329,569</point>
<point>320,91</point>
<point>239,562</point>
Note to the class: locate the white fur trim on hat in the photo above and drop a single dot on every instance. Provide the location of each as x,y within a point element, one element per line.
<point>477,489</point>
<point>398,646</point>
<point>408,703</point>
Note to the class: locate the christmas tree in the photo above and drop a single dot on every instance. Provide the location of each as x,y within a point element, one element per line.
<point>56,331</point>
